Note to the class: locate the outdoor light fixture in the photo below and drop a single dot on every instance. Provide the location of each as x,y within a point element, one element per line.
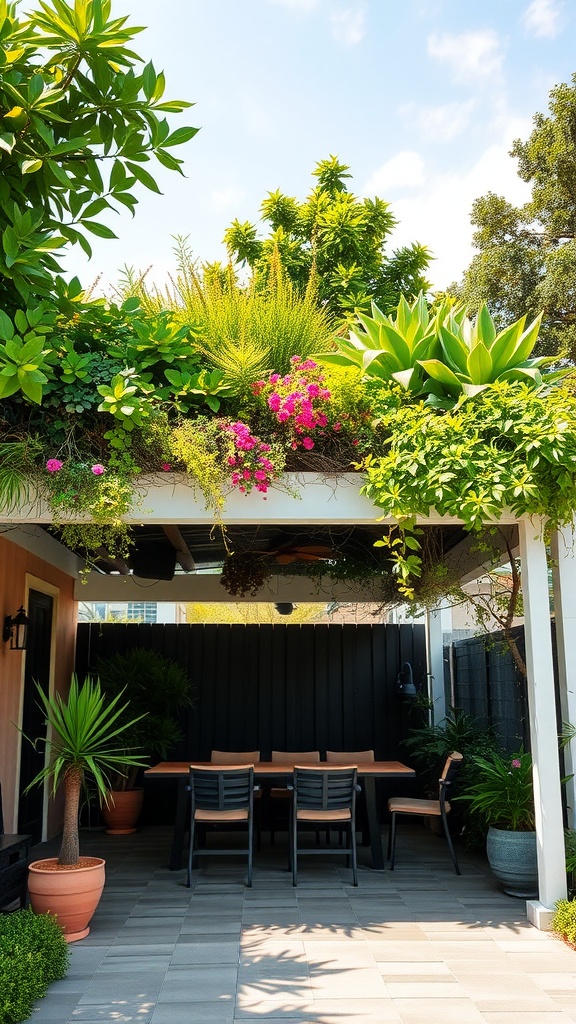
<point>284,608</point>
<point>405,682</point>
<point>16,630</point>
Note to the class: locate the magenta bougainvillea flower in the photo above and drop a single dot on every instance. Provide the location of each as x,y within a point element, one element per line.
<point>516,763</point>
<point>166,467</point>
<point>299,400</point>
<point>97,469</point>
<point>252,467</point>
<point>53,465</point>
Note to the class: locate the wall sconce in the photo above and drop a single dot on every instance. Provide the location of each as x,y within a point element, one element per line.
<point>284,608</point>
<point>405,683</point>
<point>16,630</point>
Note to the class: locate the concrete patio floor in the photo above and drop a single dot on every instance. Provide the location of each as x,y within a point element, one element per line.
<point>419,945</point>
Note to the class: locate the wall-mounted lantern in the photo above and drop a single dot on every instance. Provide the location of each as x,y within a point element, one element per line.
<point>284,608</point>
<point>16,630</point>
<point>405,683</point>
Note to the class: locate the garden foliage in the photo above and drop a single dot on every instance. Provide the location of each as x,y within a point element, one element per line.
<point>526,255</point>
<point>337,239</point>
<point>33,953</point>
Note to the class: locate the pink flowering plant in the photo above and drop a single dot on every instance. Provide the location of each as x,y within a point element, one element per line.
<point>299,401</point>
<point>89,490</point>
<point>502,794</point>
<point>253,464</point>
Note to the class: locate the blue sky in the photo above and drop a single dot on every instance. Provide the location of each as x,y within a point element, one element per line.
<point>422,98</point>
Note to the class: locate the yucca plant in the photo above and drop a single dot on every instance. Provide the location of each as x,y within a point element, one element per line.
<point>84,742</point>
<point>475,355</point>
<point>393,347</point>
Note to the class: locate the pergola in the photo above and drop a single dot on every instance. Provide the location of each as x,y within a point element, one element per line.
<point>171,504</point>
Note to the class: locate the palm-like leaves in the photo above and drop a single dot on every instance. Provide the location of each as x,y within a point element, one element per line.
<point>86,728</point>
<point>393,347</point>
<point>85,741</point>
<point>473,356</point>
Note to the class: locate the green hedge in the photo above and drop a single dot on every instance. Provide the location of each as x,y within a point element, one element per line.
<point>33,952</point>
<point>564,920</point>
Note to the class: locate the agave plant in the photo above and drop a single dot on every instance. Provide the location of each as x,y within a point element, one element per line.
<point>473,356</point>
<point>393,347</point>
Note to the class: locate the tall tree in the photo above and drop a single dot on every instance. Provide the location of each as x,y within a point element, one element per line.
<point>78,127</point>
<point>334,239</point>
<point>526,260</point>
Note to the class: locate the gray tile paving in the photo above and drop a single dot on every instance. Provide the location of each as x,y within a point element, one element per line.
<point>416,946</point>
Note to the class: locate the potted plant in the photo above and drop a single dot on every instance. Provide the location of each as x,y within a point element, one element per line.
<point>86,736</point>
<point>503,797</point>
<point>157,688</point>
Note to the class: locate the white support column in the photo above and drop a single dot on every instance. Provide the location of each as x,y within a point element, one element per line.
<point>564,576</point>
<point>543,727</point>
<point>435,664</point>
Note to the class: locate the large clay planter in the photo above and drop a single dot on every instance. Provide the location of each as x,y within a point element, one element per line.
<point>72,894</point>
<point>122,811</point>
<point>512,857</point>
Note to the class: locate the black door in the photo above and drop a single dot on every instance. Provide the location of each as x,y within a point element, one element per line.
<point>37,670</point>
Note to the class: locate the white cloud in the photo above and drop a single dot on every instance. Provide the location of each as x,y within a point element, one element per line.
<point>439,214</point>
<point>471,56</point>
<point>436,212</point>
<point>348,26</point>
<point>404,170</point>
<point>542,19</point>
<point>442,123</point>
<point>223,198</point>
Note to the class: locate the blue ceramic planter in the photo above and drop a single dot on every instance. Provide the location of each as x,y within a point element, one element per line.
<point>512,857</point>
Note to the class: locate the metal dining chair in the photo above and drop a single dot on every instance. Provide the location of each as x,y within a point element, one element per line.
<point>282,792</point>
<point>439,808</point>
<point>235,757</point>
<point>353,757</point>
<point>323,797</point>
<point>221,798</point>
<point>243,757</point>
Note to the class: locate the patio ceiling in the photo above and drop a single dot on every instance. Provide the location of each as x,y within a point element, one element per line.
<point>178,552</point>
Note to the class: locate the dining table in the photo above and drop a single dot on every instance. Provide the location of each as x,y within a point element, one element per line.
<point>281,773</point>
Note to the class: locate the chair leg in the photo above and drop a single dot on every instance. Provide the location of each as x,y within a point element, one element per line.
<point>354,858</point>
<point>250,851</point>
<point>449,841</point>
<point>294,846</point>
<point>190,855</point>
<point>392,841</point>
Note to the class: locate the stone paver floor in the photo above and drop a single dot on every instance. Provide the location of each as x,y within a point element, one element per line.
<point>419,945</point>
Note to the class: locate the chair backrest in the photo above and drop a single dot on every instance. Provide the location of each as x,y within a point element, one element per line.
<point>451,768</point>
<point>325,789</point>
<point>222,789</point>
<point>232,757</point>
<point>291,756</point>
<point>349,756</point>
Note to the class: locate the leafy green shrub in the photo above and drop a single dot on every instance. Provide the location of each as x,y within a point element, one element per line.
<point>429,746</point>
<point>564,920</point>
<point>33,953</point>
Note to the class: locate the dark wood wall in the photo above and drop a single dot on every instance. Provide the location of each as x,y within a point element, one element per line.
<point>279,687</point>
<point>488,686</point>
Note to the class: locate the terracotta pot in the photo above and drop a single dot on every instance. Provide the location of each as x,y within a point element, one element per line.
<point>123,811</point>
<point>71,893</point>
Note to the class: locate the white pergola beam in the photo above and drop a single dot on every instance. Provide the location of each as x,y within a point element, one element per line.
<point>206,588</point>
<point>564,577</point>
<point>543,727</point>
<point>298,498</point>
<point>183,553</point>
<point>435,664</point>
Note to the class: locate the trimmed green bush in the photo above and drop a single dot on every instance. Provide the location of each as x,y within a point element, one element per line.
<point>33,953</point>
<point>564,920</point>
